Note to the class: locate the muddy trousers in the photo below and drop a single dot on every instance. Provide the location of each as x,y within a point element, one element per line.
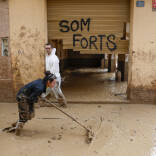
<point>26,110</point>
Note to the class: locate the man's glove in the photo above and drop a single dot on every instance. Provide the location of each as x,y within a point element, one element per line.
<point>43,96</point>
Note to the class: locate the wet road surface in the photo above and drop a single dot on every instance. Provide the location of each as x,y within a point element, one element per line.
<point>94,85</point>
<point>127,130</point>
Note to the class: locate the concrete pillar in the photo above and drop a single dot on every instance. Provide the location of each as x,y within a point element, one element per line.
<point>121,65</point>
<point>106,61</point>
<point>102,63</point>
<point>118,76</point>
<point>126,68</point>
<point>28,34</point>
<point>113,66</point>
<point>109,62</point>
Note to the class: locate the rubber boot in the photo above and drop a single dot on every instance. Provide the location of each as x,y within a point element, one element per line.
<point>18,128</point>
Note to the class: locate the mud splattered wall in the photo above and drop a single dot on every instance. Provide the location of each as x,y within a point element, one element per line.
<point>143,46</point>
<point>6,88</point>
<point>28,34</point>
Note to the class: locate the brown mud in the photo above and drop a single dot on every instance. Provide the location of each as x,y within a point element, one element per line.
<point>126,130</point>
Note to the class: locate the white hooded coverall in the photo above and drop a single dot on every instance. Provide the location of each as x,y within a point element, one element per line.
<point>52,65</point>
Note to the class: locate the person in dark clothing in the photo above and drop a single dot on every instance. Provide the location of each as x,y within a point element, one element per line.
<point>27,96</point>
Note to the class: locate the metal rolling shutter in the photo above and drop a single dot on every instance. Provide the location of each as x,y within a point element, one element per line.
<point>107,17</point>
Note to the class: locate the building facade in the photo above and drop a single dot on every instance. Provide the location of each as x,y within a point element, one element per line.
<point>90,27</point>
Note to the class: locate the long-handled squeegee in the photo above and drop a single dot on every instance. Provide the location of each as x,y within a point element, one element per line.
<point>89,133</point>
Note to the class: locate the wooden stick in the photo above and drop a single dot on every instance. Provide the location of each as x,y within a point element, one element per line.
<point>67,115</point>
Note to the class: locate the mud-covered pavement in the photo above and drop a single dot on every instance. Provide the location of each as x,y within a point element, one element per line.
<point>126,130</point>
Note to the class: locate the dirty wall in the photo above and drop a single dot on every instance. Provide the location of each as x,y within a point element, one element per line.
<point>6,87</point>
<point>142,76</point>
<point>28,34</point>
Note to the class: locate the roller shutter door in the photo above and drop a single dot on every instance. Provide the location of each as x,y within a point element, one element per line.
<point>88,26</point>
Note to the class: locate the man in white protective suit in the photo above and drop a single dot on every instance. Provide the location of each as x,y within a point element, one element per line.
<point>52,65</point>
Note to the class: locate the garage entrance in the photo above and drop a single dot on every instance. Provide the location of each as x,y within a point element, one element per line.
<point>92,42</point>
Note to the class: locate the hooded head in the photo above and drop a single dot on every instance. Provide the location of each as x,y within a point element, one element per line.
<point>49,49</point>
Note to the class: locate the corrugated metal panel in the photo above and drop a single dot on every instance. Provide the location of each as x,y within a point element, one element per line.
<point>107,17</point>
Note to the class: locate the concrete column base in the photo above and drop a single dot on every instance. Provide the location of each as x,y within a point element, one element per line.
<point>141,95</point>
